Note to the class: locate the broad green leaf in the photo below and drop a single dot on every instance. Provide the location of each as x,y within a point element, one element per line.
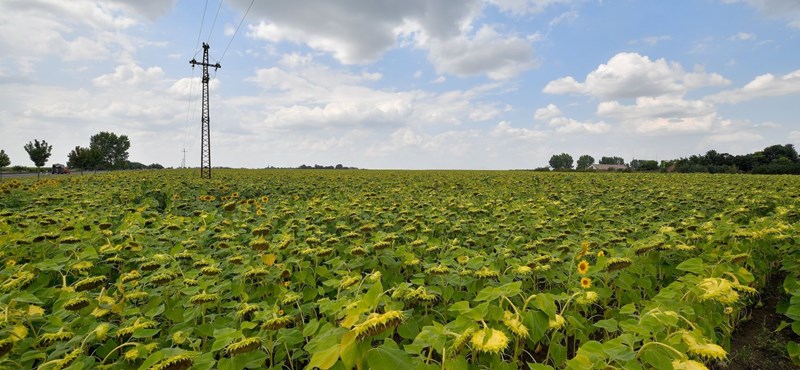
<point>610,325</point>
<point>388,358</point>
<point>547,304</point>
<point>693,265</point>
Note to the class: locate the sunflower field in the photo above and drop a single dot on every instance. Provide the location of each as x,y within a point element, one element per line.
<point>389,269</point>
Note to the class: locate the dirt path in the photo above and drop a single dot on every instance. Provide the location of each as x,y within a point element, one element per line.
<point>755,343</point>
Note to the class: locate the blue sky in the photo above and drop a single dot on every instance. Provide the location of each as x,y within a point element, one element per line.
<point>479,84</point>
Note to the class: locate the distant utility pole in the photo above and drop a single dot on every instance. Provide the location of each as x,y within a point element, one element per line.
<point>205,145</point>
<point>183,161</point>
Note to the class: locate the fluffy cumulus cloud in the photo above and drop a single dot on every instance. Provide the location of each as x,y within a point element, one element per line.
<point>79,30</point>
<point>500,57</point>
<point>760,87</point>
<point>783,9</point>
<point>564,125</point>
<point>630,75</point>
<point>548,112</point>
<point>645,97</point>
<point>505,130</point>
<point>446,30</point>
<point>308,95</point>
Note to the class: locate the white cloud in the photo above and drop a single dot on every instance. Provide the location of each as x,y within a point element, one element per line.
<point>630,75</point>
<point>645,108</point>
<point>305,94</point>
<point>743,36</point>
<point>794,136</point>
<point>78,30</point>
<point>566,17</point>
<point>444,29</point>
<point>784,9</point>
<point>130,74</point>
<point>439,80</point>
<point>762,86</point>
<point>563,125</point>
<point>505,130</point>
<point>338,28</point>
<point>546,113</point>
<point>498,56</point>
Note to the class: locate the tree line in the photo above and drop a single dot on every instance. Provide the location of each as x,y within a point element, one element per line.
<point>106,151</point>
<point>775,159</point>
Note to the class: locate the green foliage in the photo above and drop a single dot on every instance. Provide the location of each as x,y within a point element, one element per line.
<point>38,151</point>
<point>612,160</point>
<point>584,162</point>
<point>380,269</point>
<point>112,149</point>
<point>84,158</point>
<point>4,160</point>
<point>561,161</point>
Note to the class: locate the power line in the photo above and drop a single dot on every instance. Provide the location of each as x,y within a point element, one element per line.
<point>200,33</point>
<point>208,41</point>
<point>237,30</point>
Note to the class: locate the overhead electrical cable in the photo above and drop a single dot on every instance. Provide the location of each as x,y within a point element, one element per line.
<point>237,30</point>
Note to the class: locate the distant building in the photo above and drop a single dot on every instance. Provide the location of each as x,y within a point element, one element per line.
<point>608,167</point>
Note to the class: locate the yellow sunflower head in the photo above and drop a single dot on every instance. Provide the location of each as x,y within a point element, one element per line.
<point>702,348</point>
<point>513,323</point>
<point>489,340</point>
<point>688,365</point>
<point>583,267</point>
<point>378,323</point>
<point>586,283</point>
<point>556,323</point>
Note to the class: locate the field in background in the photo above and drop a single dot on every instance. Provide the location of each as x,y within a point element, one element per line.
<point>390,269</point>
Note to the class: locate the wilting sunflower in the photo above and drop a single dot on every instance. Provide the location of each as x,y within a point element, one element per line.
<point>556,323</point>
<point>242,346</point>
<point>614,264</point>
<point>513,323</point>
<point>703,348</point>
<point>178,362</point>
<point>378,323</point>
<point>489,340</point>
<point>688,365</point>
<point>583,267</point>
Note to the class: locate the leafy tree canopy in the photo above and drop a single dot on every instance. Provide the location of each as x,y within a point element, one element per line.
<point>561,161</point>
<point>584,162</point>
<point>39,151</point>
<point>112,149</point>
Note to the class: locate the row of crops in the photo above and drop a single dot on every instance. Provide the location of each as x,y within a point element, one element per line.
<point>389,269</point>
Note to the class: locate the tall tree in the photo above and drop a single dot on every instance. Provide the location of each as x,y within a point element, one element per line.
<point>112,149</point>
<point>39,153</point>
<point>4,162</point>
<point>584,162</point>
<point>561,161</point>
<point>612,160</point>
<point>84,158</point>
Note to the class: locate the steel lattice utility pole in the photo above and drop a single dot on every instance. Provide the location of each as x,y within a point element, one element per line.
<point>205,145</point>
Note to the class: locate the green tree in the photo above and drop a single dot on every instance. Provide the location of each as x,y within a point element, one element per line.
<point>39,153</point>
<point>612,160</point>
<point>4,162</point>
<point>584,162</point>
<point>561,161</point>
<point>84,158</point>
<point>112,149</point>
<point>644,165</point>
